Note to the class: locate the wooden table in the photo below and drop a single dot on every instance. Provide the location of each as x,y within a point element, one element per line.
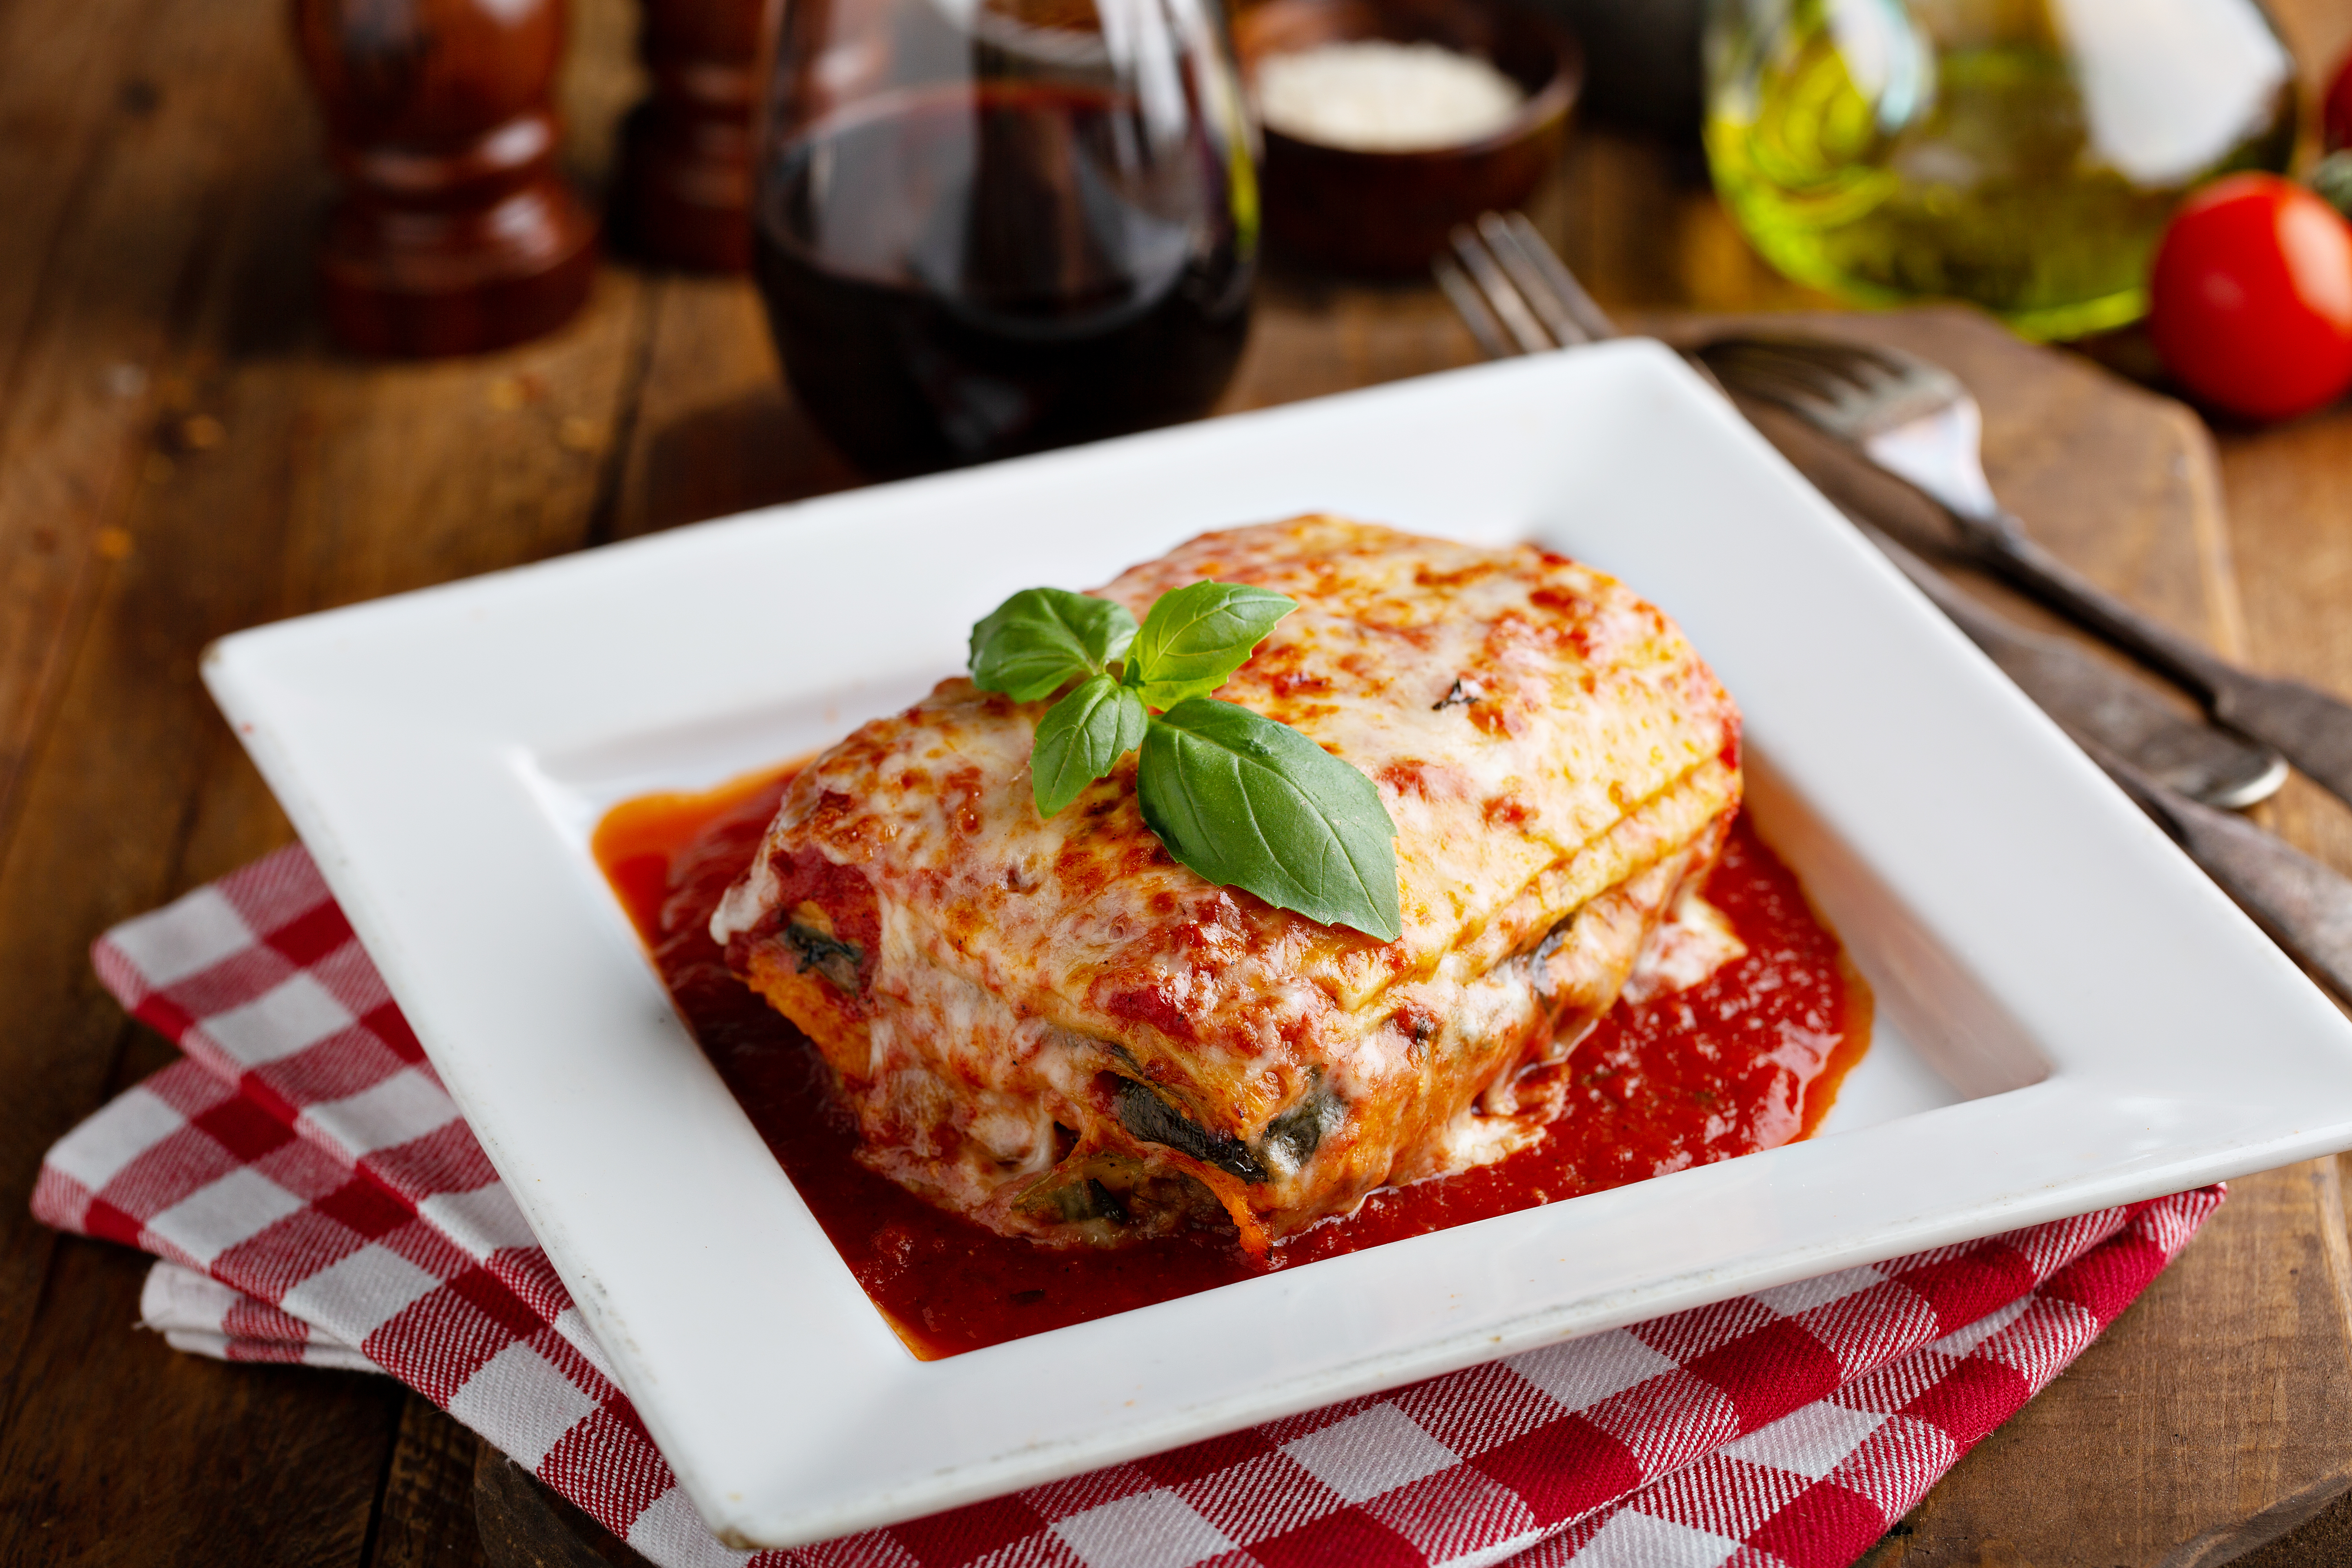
<point>181,456</point>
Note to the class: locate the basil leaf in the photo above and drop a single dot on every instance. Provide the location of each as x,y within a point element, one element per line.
<point>1195,637</point>
<point>1081,738</point>
<point>1042,639</point>
<point>1251,804</point>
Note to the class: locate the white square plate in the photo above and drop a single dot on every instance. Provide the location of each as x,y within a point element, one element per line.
<point>2070,1014</point>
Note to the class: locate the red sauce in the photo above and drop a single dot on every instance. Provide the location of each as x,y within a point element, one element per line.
<point>1749,1060</point>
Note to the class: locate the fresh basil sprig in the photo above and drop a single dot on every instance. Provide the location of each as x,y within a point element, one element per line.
<point>1039,640</point>
<point>1248,803</point>
<point>1081,738</point>
<point>1195,637</point>
<point>1242,800</point>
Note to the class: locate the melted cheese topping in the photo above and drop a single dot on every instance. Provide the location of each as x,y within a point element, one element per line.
<point>1064,1031</point>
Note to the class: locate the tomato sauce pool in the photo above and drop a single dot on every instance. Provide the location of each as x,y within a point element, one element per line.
<point>1749,1060</point>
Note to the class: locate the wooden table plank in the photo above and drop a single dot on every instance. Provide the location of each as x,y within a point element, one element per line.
<point>150,216</point>
<point>179,1460</point>
<point>101,807</point>
<point>109,1443</point>
<point>427,1519</point>
<point>66,91</point>
<point>231,472</point>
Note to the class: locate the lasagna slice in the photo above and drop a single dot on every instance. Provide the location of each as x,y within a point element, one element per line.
<point>1053,1028</point>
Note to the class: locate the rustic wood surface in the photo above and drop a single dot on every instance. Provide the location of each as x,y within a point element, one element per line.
<point>181,455</point>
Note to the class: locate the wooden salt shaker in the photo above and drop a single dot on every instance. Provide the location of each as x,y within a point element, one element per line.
<point>454,233</point>
<point>685,153</point>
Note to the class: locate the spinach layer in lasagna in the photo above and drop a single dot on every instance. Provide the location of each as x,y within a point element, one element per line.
<point>1052,1027</point>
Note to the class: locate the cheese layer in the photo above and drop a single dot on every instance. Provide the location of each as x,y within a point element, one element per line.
<point>1053,1026</point>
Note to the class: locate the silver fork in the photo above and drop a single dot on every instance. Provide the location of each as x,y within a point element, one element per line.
<point>1523,293</point>
<point>1517,297</point>
<point>1499,285</point>
<point>1915,420</point>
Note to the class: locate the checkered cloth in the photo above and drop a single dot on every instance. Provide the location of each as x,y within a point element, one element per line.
<point>315,1197</point>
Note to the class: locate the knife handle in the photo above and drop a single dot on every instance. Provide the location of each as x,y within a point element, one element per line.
<point>2002,543</point>
<point>2208,763</point>
<point>2306,906</point>
<point>2311,729</point>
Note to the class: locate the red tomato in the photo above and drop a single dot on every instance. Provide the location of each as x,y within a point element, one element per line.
<point>2251,303</point>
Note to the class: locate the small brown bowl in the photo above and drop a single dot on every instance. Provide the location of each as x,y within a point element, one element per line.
<point>1388,213</point>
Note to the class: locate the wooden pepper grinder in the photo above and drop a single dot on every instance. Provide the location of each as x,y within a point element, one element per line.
<point>685,153</point>
<point>454,233</point>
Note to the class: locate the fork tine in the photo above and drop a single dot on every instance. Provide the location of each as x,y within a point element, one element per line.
<point>1564,286</point>
<point>1471,307</point>
<point>1530,281</point>
<point>1500,294</point>
<point>1852,389</point>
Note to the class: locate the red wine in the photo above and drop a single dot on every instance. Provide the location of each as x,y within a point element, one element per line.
<point>958,274</point>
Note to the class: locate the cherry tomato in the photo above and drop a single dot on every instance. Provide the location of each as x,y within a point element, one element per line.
<point>2251,302</point>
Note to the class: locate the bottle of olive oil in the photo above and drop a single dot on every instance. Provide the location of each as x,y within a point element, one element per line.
<point>2023,154</point>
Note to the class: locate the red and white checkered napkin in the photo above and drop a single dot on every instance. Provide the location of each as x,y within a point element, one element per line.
<point>315,1197</point>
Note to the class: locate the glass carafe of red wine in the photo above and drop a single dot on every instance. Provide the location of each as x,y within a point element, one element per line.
<point>985,228</point>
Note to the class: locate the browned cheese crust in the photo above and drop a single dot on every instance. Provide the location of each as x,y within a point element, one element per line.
<point>1055,1028</point>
